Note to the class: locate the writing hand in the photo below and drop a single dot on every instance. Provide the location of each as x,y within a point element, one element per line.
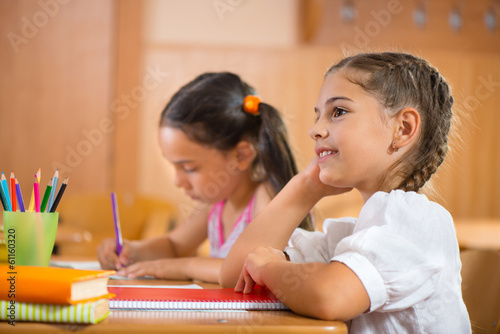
<point>108,259</point>
<point>163,268</point>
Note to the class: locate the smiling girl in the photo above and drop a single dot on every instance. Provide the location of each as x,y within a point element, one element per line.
<point>230,154</point>
<point>382,124</point>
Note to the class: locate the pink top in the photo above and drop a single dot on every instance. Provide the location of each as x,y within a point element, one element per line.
<point>218,246</point>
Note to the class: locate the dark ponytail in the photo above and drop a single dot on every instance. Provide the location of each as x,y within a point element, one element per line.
<point>274,153</point>
<point>209,110</point>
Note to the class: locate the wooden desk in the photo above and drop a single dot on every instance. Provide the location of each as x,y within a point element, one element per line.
<point>241,322</point>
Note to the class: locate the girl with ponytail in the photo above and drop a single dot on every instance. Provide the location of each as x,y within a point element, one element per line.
<point>230,154</point>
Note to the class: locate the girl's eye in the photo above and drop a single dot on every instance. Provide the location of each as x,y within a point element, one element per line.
<point>337,112</point>
<point>189,169</point>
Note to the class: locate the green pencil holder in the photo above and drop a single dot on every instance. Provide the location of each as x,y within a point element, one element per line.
<point>30,237</point>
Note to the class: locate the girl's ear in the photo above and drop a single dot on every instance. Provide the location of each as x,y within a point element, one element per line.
<point>407,127</point>
<point>245,154</point>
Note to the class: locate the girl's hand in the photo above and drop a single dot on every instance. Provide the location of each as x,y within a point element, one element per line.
<point>163,269</point>
<point>312,183</point>
<point>106,254</point>
<point>185,268</point>
<point>253,265</point>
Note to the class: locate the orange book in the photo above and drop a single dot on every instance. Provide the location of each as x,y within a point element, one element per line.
<point>50,285</point>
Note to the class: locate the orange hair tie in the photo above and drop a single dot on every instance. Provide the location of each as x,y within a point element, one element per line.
<point>251,104</point>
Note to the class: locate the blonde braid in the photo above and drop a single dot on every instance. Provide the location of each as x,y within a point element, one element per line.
<point>435,106</point>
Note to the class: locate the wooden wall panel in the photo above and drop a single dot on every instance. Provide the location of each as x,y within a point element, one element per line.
<point>129,92</point>
<point>55,90</point>
<point>390,24</point>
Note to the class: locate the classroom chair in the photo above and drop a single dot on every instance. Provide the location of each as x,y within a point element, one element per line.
<point>86,219</point>
<point>481,289</point>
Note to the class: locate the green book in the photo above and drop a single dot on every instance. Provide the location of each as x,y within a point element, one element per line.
<point>82,313</point>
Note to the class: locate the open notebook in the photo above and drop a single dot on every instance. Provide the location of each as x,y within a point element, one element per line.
<point>151,298</point>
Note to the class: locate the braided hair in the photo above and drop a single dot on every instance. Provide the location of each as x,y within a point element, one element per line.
<point>400,80</point>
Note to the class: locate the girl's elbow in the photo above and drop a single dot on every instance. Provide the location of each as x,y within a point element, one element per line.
<point>226,278</point>
<point>328,312</point>
<point>325,310</point>
<point>226,283</point>
<point>327,306</point>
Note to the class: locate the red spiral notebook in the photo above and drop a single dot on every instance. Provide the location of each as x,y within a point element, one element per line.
<point>142,298</point>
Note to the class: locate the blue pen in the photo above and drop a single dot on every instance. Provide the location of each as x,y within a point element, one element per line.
<point>53,190</point>
<point>5,187</point>
<point>116,220</point>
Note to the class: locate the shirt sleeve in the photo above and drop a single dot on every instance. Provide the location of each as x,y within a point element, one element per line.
<point>306,246</point>
<point>395,273</point>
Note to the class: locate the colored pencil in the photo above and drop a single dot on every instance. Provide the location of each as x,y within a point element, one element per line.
<point>13,198</point>
<point>46,196</point>
<point>53,190</point>
<point>36,193</point>
<point>6,191</point>
<point>19,197</point>
<point>59,195</point>
<point>31,207</point>
<point>116,220</point>
<point>4,200</point>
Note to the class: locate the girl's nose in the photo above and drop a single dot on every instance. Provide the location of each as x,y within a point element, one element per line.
<point>318,131</point>
<point>180,181</point>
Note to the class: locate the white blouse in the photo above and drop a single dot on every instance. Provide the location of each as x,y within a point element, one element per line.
<point>404,250</point>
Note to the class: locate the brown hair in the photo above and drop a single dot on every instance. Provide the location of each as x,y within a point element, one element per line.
<point>400,80</point>
<point>209,110</point>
